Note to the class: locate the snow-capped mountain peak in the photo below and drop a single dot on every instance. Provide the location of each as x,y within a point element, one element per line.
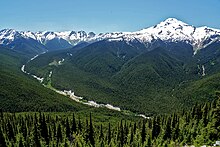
<point>169,30</point>
<point>173,21</point>
<point>8,35</point>
<point>174,30</point>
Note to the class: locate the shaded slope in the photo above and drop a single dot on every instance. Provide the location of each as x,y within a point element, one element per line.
<point>131,76</point>
<point>21,93</point>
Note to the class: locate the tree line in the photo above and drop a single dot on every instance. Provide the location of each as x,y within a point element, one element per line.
<point>199,126</point>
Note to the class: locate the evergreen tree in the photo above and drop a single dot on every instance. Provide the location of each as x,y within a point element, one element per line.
<point>49,133</point>
<point>174,120</point>
<point>35,118</point>
<point>101,136</point>
<point>180,128</point>
<point>121,134</point>
<point>59,134</point>
<point>40,117</point>
<point>150,124</point>
<point>216,113</point>
<point>168,131</point>
<point>43,128</point>
<point>91,132</point>
<point>73,129</point>
<point>193,112</point>
<point>135,128</point>
<point>156,128</point>
<point>2,139</point>
<point>198,113</point>
<point>11,134</point>
<point>205,115</point>
<point>143,133</point>
<point>79,125</point>
<point>24,129</point>
<point>36,136</point>
<point>87,131</point>
<point>67,129</point>
<point>109,133</point>
<point>176,131</point>
<point>213,104</point>
<point>132,136</point>
<point>54,130</point>
<point>216,121</point>
<point>1,114</point>
<point>126,132</point>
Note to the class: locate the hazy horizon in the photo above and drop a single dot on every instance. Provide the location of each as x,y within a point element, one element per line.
<point>104,16</point>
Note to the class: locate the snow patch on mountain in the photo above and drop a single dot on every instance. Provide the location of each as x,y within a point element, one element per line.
<point>61,61</point>
<point>203,70</point>
<point>173,30</point>
<point>8,35</point>
<point>170,30</point>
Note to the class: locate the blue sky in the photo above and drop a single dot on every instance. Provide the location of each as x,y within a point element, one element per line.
<point>104,15</point>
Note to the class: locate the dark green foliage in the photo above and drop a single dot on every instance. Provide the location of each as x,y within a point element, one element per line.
<point>156,127</point>
<point>215,126</point>
<point>43,129</point>
<point>36,135</point>
<point>109,134</point>
<point>216,114</point>
<point>121,134</point>
<point>163,79</point>
<point>2,139</point>
<point>120,81</point>
<point>10,132</point>
<point>54,130</point>
<point>143,133</point>
<point>73,128</point>
<point>91,131</point>
<point>166,130</point>
<point>79,126</point>
<point>168,133</point>
<point>87,131</point>
<point>59,134</point>
<point>135,128</point>
<point>101,136</point>
<point>68,132</point>
<point>24,129</point>
<point>1,114</point>
<point>19,92</point>
<point>205,115</point>
<point>132,136</point>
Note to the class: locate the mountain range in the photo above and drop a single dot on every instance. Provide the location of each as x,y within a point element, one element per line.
<point>159,69</point>
<point>170,30</point>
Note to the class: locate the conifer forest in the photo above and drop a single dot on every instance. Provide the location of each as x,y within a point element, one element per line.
<point>198,126</point>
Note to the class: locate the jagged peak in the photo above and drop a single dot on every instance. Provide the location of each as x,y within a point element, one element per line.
<point>171,29</point>
<point>9,30</point>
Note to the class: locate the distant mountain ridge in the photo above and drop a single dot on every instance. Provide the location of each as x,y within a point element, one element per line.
<point>169,31</point>
<point>159,69</point>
